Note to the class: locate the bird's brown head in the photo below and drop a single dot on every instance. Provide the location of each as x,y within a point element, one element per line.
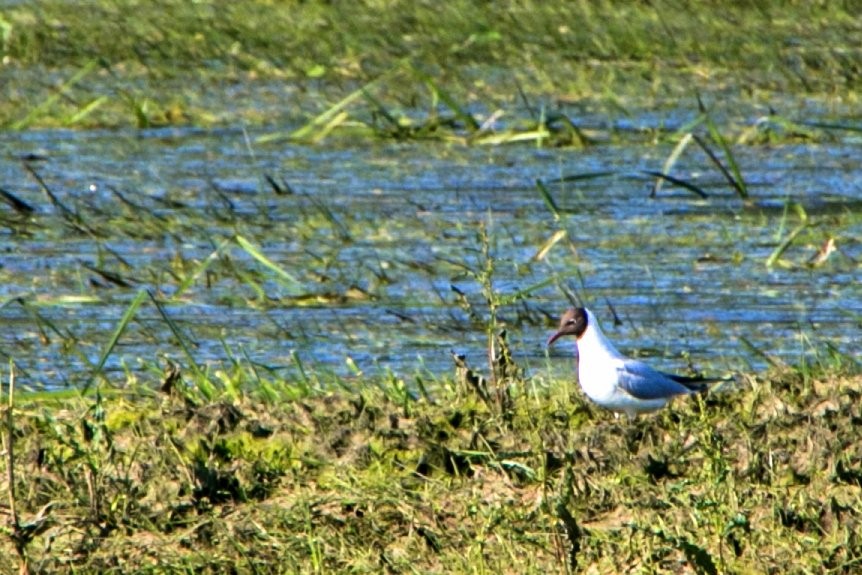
<point>574,322</point>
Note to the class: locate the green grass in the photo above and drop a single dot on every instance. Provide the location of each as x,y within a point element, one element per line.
<point>760,479</point>
<point>169,62</point>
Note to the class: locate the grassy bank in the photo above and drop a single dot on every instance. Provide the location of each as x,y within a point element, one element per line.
<point>122,63</point>
<point>765,479</point>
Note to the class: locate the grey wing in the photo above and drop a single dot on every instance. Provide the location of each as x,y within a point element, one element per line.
<point>643,382</point>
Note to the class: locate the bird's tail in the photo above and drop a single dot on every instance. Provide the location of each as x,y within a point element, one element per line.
<point>697,383</point>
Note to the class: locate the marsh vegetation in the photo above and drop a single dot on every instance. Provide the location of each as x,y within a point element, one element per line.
<point>277,277</point>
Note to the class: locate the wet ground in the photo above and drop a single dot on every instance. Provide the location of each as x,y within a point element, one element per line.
<point>380,246</point>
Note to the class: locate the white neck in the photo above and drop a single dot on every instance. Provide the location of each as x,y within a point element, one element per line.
<point>594,343</point>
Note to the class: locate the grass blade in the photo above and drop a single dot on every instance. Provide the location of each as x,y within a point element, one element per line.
<point>330,117</point>
<point>328,127</point>
<point>445,97</point>
<point>202,267</point>
<point>121,327</point>
<point>715,160</point>
<point>577,138</point>
<point>689,127</point>
<point>293,285</point>
<point>670,162</point>
<point>549,199</point>
<point>549,243</point>
<point>511,137</point>
<point>772,361</point>
<point>831,126</point>
<point>85,111</point>
<point>398,130</point>
<point>736,181</point>
<point>782,247</point>
<point>660,176</point>
<point>581,177</point>
<point>16,203</point>
<point>307,131</point>
<point>53,98</point>
<point>67,213</point>
<point>181,339</point>
<point>337,225</point>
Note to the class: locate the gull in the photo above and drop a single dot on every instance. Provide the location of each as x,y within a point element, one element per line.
<point>614,381</point>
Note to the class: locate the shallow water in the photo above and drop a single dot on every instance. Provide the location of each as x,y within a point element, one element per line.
<point>379,237</point>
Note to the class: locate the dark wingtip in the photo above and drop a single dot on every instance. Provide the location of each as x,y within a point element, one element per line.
<point>696,383</point>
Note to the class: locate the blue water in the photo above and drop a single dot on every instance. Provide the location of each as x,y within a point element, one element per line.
<point>378,235</point>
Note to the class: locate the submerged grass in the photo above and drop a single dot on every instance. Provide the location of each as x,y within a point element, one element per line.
<point>764,478</point>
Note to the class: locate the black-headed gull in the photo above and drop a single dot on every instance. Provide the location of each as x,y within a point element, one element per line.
<point>615,381</point>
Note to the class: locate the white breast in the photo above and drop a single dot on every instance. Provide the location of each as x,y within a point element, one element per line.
<point>598,361</point>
